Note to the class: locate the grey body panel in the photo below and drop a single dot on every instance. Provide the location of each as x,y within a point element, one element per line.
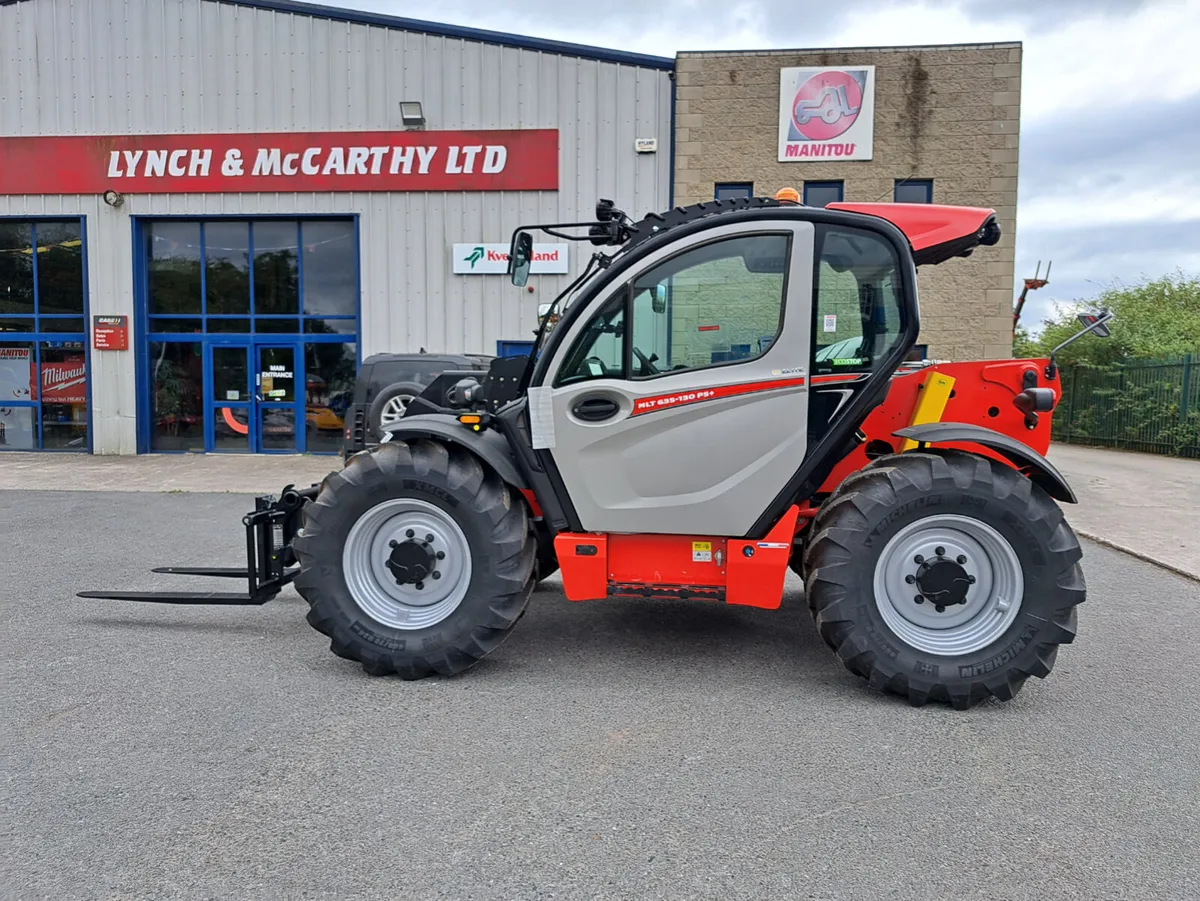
<point>1044,474</point>
<point>490,446</point>
<point>703,468</point>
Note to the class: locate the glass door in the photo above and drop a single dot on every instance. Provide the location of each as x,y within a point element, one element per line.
<point>231,407</point>
<point>276,399</point>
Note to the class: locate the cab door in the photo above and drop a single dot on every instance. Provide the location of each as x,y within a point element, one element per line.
<point>680,405</point>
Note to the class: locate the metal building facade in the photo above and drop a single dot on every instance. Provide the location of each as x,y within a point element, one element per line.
<point>129,67</point>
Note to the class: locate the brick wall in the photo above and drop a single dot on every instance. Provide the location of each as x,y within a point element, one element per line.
<point>946,113</point>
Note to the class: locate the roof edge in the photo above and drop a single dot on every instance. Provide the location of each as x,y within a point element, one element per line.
<point>898,48</point>
<point>543,45</point>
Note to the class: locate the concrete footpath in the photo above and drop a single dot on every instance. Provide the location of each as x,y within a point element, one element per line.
<point>1143,504</point>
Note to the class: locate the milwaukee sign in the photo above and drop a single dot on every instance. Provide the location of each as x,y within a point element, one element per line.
<point>492,259</point>
<point>524,160</point>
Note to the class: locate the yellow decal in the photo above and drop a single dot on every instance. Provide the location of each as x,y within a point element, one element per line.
<point>701,551</point>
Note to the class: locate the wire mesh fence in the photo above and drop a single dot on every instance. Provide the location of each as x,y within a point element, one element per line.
<point>1147,405</point>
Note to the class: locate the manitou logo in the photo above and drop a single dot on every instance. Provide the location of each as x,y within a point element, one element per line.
<point>826,113</point>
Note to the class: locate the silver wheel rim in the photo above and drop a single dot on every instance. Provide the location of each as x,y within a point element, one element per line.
<point>992,601</point>
<point>393,411</point>
<point>375,588</point>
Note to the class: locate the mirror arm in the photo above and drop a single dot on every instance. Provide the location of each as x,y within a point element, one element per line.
<point>1052,366</point>
<point>527,374</point>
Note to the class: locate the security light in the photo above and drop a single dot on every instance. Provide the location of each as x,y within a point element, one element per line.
<point>411,114</point>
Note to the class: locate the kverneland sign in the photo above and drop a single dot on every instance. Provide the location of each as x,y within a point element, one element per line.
<point>521,160</point>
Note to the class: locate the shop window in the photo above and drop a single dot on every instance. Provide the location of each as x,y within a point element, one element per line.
<point>16,273</point>
<point>176,396</point>
<point>913,190</point>
<point>276,270</point>
<point>823,193</point>
<point>174,268</point>
<point>330,270</point>
<point>330,371</point>
<point>43,354</point>
<point>732,190</point>
<point>60,271</point>
<point>227,268</point>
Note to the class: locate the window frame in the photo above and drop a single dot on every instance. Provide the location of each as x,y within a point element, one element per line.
<point>36,337</point>
<point>625,291</point>
<point>840,184</point>
<point>926,183</point>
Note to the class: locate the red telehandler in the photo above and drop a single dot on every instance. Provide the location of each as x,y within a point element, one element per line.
<point>724,395</point>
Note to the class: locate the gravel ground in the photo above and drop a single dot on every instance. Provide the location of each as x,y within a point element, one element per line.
<point>607,750</point>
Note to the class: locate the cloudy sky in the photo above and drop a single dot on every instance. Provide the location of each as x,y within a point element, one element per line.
<point>1110,146</point>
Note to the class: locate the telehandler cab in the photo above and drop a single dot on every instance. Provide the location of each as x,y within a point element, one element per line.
<point>726,395</point>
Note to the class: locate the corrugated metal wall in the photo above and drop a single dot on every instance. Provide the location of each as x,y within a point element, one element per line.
<point>198,66</point>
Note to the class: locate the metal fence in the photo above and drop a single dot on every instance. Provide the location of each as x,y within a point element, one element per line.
<point>1149,406</point>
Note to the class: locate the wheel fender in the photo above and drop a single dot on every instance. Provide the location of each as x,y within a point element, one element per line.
<point>489,446</point>
<point>1043,473</point>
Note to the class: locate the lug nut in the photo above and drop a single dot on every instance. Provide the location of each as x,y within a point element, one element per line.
<point>393,543</point>
<point>963,602</point>
<point>419,586</point>
<point>940,609</point>
<point>919,600</point>
<point>961,559</point>
<point>970,580</point>
<point>428,538</point>
<point>441,555</point>
<point>438,575</point>
<point>941,552</point>
<point>918,559</point>
<point>410,533</point>
<point>910,579</point>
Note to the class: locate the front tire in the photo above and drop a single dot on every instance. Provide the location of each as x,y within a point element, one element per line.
<point>415,559</point>
<point>944,576</point>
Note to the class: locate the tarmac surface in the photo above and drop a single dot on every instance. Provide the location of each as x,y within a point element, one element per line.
<point>608,750</point>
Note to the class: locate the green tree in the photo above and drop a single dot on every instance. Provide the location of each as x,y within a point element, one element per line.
<point>1156,319</point>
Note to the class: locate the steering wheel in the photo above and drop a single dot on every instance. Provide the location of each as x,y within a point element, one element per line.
<point>648,368</point>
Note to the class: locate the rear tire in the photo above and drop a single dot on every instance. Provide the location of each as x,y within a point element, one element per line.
<point>389,406</point>
<point>367,530</point>
<point>1009,541</point>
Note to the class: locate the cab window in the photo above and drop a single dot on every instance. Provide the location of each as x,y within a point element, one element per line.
<point>717,303</point>
<point>858,308</point>
<point>714,304</point>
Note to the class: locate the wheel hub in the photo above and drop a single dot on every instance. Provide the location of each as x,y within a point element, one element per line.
<point>943,582</point>
<point>411,561</point>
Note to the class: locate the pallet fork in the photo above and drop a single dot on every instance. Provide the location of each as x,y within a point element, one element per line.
<point>270,562</point>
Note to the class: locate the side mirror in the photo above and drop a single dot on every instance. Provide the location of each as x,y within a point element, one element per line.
<point>658,301</point>
<point>520,258</point>
<point>1100,329</point>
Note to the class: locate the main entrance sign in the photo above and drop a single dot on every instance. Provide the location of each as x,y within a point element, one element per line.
<point>517,160</point>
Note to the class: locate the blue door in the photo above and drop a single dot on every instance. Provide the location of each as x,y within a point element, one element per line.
<point>254,402</point>
<point>279,398</point>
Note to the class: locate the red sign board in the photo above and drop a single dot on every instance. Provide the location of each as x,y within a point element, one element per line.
<point>110,333</point>
<point>520,160</point>
<point>65,382</point>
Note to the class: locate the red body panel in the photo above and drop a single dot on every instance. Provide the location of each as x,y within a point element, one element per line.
<point>980,387</point>
<point>757,580</point>
<point>678,566</point>
<point>924,224</point>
